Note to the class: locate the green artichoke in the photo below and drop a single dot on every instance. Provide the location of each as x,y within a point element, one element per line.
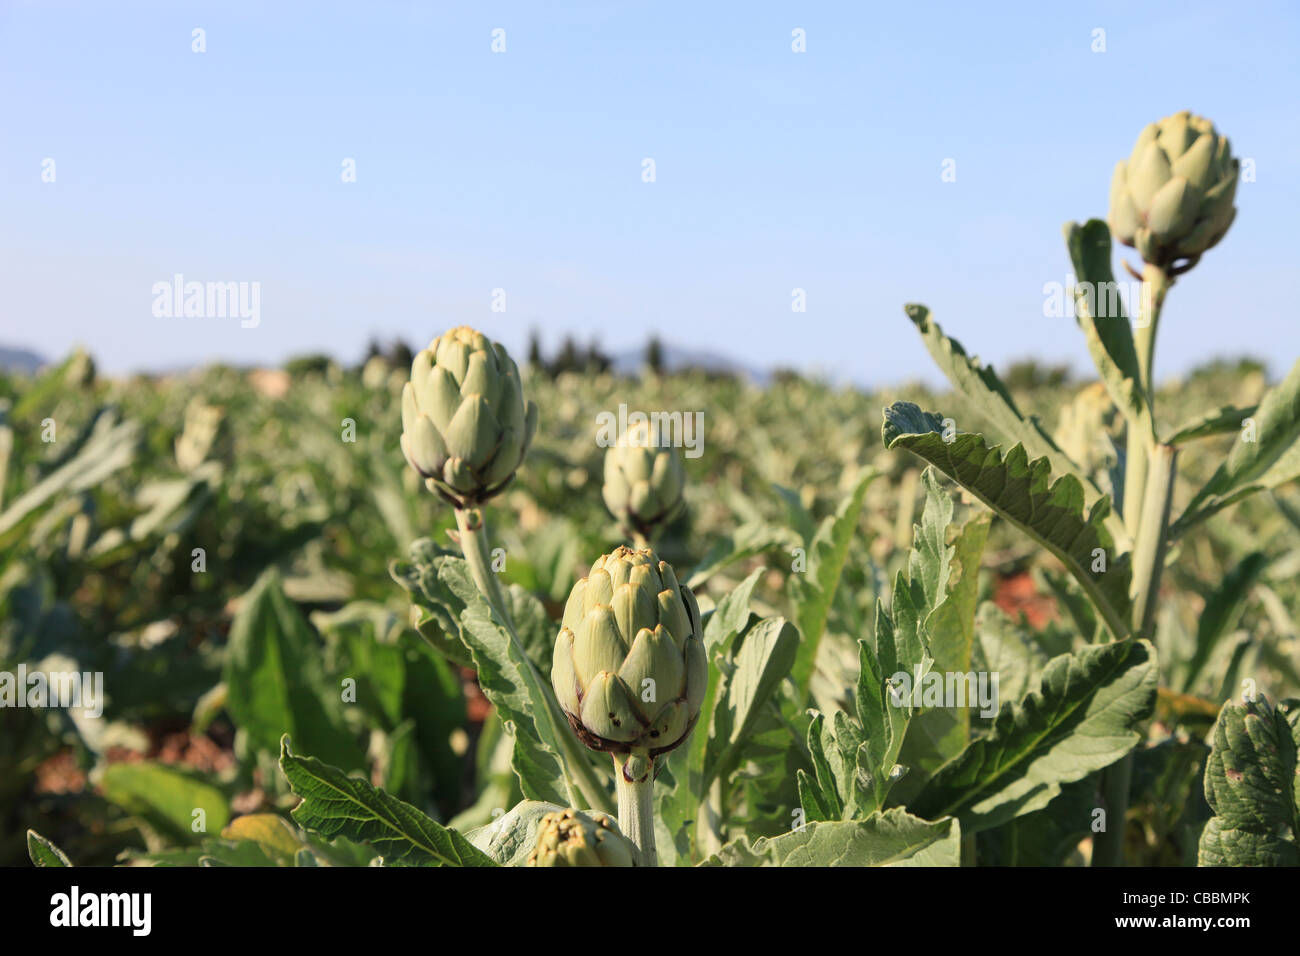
<point>643,480</point>
<point>629,668</point>
<point>1172,198</point>
<point>465,425</point>
<point>570,838</point>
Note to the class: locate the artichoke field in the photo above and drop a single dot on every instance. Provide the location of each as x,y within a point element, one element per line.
<point>430,587</point>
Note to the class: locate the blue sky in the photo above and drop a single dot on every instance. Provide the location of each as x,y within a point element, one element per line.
<point>522,171</point>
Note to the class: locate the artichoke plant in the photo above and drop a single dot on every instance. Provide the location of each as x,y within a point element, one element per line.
<point>629,668</point>
<point>1172,199</point>
<point>644,480</point>
<point>629,672</point>
<point>465,424</point>
<point>570,838</point>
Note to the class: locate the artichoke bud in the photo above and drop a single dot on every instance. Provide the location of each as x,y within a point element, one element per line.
<point>465,425</point>
<point>644,479</point>
<point>202,434</point>
<point>629,668</point>
<point>570,838</point>
<point>1172,199</point>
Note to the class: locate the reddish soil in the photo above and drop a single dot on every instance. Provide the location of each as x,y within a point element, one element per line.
<point>1015,594</point>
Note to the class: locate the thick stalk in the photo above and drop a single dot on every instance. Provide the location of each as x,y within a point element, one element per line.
<point>474,545</point>
<point>968,854</point>
<point>634,782</point>
<point>1155,284</point>
<point>1150,544</point>
<point>1152,538</point>
<point>1108,848</point>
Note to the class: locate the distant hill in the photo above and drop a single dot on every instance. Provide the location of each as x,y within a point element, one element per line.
<point>20,360</point>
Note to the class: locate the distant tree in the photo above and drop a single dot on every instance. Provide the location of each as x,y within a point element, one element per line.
<point>1238,367</point>
<point>567,360</point>
<point>535,350</point>
<point>1027,374</point>
<point>654,355</point>
<point>400,355</point>
<point>596,360</point>
<point>315,364</point>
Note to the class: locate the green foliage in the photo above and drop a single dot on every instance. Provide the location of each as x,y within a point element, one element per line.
<point>892,838</point>
<point>177,805</point>
<point>43,852</point>
<point>1082,717</point>
<point>275,680</point>
<point>426,713</point>
<point>336,805</point>
<point>1051,511</point>
<point>1265,459</point>
<point>814,592</point>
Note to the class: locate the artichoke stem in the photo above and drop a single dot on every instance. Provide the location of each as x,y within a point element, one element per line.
<point>474,545</point>
<point>1155,284</point>
<point>634,782</point>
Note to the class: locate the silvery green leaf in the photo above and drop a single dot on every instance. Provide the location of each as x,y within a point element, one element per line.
<point>892,838</point>
<point>1083,717</point>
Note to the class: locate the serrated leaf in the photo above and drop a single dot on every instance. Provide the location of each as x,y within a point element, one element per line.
<point>819,792</point>
<point>1024,492</point>
<point>892,838</point>
<point>813,591</point>
<point>989,397</point>
<point>1252,783</point>
<point>511,682</point>
<point>454,615</point>
<point>435,609</point>
<point>43,852</point>
<point>1083,717</point>
<point>937,735</point>
<point>929,559</point>
<point>883,719</point>
<point>1271,459</point>
<point>336,805</point>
